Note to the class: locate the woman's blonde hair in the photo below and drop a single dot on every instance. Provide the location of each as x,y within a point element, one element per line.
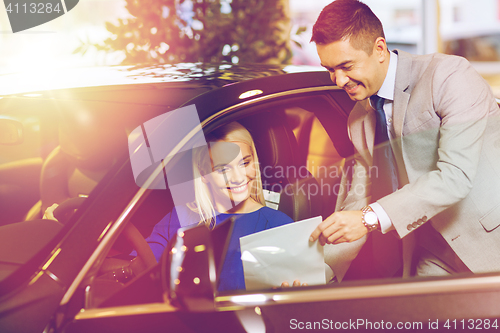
<point>204,202</point>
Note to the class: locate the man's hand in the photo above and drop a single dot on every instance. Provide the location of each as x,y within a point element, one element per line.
<point>340,227</point>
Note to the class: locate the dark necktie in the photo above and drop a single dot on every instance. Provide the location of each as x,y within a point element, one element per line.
<point>384,176</point>
<point>381,255</point>
<point>387,248</point>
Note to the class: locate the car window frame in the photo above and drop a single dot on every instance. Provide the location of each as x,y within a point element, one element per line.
<point>253,105</point>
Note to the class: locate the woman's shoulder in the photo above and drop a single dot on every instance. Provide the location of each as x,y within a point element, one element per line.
<point>184,212</point>
<point>275,216</point>
<point>181,215</point>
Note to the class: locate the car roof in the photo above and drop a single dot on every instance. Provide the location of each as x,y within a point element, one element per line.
<point>159,88</point>
<point>113,77</point>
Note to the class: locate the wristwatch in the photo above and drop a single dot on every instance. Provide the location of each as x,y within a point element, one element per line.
<point>370,219</point>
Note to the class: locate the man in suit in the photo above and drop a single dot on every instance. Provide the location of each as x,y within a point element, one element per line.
<point>444,152</point>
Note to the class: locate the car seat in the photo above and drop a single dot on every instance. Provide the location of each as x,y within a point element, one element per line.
<point>288,185</point>
<point>89,144</point>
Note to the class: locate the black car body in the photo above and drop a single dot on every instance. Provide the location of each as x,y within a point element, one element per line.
<point>56,277</point>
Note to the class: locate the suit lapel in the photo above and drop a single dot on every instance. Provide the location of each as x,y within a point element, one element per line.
<point>362,129</point>
<point>401,91</point>
<point>369,128</point>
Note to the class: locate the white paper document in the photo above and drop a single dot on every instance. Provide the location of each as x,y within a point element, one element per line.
<point>284,253</point>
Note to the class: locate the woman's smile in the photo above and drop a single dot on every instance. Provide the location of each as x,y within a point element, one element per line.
<point>238,189</point>
<point>232,175</point>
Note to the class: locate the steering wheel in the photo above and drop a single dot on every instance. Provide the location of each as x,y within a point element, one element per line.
<point>144,253</point>
<point>64,211</point>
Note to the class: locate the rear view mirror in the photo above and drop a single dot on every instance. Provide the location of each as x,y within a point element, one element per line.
<point>11,132</point>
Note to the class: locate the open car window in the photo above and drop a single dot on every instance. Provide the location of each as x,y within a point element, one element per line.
<point>287,157</point>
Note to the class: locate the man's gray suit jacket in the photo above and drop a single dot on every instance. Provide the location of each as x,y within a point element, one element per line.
<point>447,147</point>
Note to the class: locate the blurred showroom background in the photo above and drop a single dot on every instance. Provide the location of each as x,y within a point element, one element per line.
<point>463,27</point>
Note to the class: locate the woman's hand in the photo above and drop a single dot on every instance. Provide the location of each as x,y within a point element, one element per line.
<point>296,283</point>
<point>49,212</point>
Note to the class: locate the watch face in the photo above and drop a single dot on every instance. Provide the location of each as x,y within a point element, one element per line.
<point>371,218</point>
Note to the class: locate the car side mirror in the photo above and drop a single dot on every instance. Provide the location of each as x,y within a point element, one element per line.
<point>11,132</point>
<point>190,267</point>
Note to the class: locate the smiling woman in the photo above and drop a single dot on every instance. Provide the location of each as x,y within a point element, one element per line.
<point>228,173</point>
<point>227,183</point>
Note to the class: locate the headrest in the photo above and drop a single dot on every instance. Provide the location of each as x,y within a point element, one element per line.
<point>274,139</point>
<point>90,139</point>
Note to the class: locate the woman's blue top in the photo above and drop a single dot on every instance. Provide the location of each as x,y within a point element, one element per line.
<point>231,276</point>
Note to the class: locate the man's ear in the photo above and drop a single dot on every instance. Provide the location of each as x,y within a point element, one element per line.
<point>380,48</point>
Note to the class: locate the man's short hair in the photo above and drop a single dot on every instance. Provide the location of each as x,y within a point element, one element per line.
<point>348,20</point>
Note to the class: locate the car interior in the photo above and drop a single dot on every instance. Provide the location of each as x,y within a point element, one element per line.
<point>77,144</point>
